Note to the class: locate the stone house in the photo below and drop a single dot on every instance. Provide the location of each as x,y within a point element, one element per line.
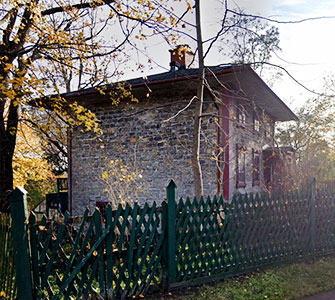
<point>155,134</point>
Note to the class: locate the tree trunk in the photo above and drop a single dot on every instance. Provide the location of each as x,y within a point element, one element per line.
<point>6,178</point>
<point>197,173</point>
<point>7,147</point>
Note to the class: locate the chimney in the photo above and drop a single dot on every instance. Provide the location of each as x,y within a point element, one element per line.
<point>181,58</point>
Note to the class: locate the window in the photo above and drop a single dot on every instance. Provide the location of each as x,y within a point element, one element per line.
<point>257,123</point>
<point>241,115</point>
<point>268,128</point>
<point>240,166</point>
<point>256,166</point>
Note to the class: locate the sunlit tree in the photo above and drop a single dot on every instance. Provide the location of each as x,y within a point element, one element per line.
<point>48,46</point>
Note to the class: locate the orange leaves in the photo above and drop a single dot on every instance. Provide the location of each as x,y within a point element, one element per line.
<point>189,7</point>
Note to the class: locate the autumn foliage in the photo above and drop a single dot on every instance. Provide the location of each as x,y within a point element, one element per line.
<point>48,47</point>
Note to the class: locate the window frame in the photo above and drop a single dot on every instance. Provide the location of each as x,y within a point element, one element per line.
<point>256,123</point>
<point>241,115</point>
<point>240,163</point>
<point>256,168</point>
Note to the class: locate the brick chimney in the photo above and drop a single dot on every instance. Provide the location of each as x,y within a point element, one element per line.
<point>181,58</point>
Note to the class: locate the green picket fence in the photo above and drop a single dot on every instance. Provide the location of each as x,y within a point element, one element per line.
<point>219,239</point>
<point>115,257</point>
<point>216,239</point>
<point>123,253</point>
<point>7,274</point>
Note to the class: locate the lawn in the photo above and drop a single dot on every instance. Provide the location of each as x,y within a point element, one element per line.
<point>287,282</point>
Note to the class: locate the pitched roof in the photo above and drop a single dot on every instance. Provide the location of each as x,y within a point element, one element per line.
<point>241,77</point>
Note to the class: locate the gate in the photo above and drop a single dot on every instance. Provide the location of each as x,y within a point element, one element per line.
<point>115,256</point>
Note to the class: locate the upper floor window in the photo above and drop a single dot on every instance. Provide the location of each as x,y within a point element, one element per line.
<point>256,123</point>
<point>240,166</point>
<point>256,167</point>
<point>268,128</point>
<point>241,115</point>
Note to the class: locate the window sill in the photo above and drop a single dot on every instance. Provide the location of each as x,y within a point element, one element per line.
<point>241,184</point>
<point>256,183</point>
<point>240,125</point>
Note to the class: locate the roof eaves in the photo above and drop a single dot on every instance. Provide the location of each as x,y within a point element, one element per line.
<point>182,75</point>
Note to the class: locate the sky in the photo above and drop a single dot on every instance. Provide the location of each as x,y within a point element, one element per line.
<point>308,48</point>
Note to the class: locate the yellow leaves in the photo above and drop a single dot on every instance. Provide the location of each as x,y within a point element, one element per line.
<point>29,162</point>
<point>2,294</point>
<point>122,92</point>
<point>8,67</point>
<point>95,253</point>
<point>83,117</point>
<point>121,182</point>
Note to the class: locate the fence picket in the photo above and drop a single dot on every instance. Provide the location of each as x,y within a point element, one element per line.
<point>18,203</point>
<point>185,242</point>
<point>171,231</point>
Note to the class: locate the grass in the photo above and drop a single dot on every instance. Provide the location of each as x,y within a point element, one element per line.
<point>282,283</point>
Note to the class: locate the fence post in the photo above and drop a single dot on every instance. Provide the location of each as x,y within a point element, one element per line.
<point>312,214</point>
<point>18,206</point>
<point>169,221</point>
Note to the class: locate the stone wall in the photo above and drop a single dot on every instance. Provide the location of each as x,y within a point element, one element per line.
<point>140,135</point>
<point>154,138</point>
<point>245,135</point>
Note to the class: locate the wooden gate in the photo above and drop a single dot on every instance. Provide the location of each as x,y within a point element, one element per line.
<point>115,256</point>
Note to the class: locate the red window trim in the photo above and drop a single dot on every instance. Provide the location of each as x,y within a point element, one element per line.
<point>254,172</point>
<point>240,183</point>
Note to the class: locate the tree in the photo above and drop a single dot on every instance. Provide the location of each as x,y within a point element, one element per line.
<point>39,37</point>
<point>198,180</point>
<point>252,41</point>
<point>30,166</point>
<point>312,138</point>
